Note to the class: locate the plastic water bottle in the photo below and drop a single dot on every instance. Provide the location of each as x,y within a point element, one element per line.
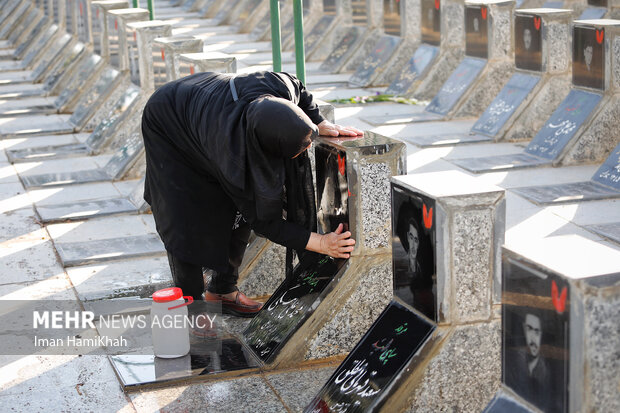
<point>171,333</point>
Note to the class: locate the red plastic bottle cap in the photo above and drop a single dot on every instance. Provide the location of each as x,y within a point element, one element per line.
<point>167,294</point>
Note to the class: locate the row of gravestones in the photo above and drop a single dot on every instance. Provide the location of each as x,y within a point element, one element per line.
<point>421,294</point>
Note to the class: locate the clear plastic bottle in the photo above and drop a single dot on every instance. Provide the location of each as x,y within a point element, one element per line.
<point>169,327</point>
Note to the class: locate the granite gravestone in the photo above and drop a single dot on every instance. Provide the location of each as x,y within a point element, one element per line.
<point>380,55</point>
<point>364,378</point>
<point>461,79</point>
<point>291,305</point>
<point>425,54</point>
<point>414,250</point>
<point>535,328</point>
<point>298,296</point>
<point>567,122</point>
<point>343,50</point>
<point>605,184</point>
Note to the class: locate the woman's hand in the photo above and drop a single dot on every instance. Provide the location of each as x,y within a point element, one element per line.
<point>326,128</point>
<point>335,244</point>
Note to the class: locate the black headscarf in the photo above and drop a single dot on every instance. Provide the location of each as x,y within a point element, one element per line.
<point>277,172</point>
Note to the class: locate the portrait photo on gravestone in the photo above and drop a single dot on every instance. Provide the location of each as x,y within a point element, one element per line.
<point>528,42</point>
<point>589,57</point>
<point>535,317</point>
<point>413,251</point>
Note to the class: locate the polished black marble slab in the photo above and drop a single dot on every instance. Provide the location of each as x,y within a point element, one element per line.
<point>359,9</point>
<point>102,133</point>
<point>374,366</point>
<point>528,42</point>
<point>35,36</point>
<point>83,72</point>
<point>536,313</point>
<point>382,52</point>
<point>593,13</point>
<point>501,162</point>
<point>90,101</point>
<point>567,193</point>
<point>503,404</point>
<point>312,39</point>
<point>509,99</point>
<point>563,124</point>
<point>610,231</point>
<point>431,22</point>
<point>457,84</point>
<point>80,211</point>
<point>414,250</point>
<point>549,142</point>
<point>206,357</point>
<point>332,189</point>
<point>292,304</point>
<point>73,254</point>
<point>117,166</point>
<point>477,31</point>
<point>343,50</point>
<point>419,64</point>
<point>609,173</point>
<point>589,57</point>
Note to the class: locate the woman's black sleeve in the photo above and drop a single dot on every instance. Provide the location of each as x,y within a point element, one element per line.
<point>282,232</point>
<point>306,101</point>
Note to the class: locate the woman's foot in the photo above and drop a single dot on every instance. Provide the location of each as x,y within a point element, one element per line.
<point>235,303</point>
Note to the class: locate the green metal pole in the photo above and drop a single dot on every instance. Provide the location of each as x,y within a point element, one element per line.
<point>276,42</point>
<point>300,54</point>
<point>136,4</point>
<point>149,4</point>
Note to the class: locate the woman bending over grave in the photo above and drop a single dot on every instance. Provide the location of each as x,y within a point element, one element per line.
<point>227,154</point>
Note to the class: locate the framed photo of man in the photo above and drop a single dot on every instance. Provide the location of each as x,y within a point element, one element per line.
<point>535,329</point>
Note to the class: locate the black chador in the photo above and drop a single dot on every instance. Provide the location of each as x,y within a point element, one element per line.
<point>220,147</point>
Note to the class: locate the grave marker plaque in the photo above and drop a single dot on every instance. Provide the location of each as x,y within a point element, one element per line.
<point>476,31</point>
<point>371,368</point>
<point>291,304</point>
<point>535,329</point>
<point>431,22</point>
<point>609,173</point>
<point>567,119</point>
<point>589,57</point>
<point>505,104</point>
<point>416,67</point>
<point>318,31</point>
<point>597,3</point>
<point>344,47</point>
<point>457,84</point>
<point>528,39</point>
<point>414,250</point>
<point>383,51</point>
<point>391,17</point>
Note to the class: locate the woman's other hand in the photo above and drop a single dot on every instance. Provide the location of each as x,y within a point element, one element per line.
<point>326,128</point>
<point>337,244</point>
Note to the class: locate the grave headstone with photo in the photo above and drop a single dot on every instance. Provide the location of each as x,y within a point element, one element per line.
<point>583,127</point>
<point>323,297</point>
<point>480,76</point>
<point>446,289</point>
<point>557,346</point>
<point>542,65</point>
